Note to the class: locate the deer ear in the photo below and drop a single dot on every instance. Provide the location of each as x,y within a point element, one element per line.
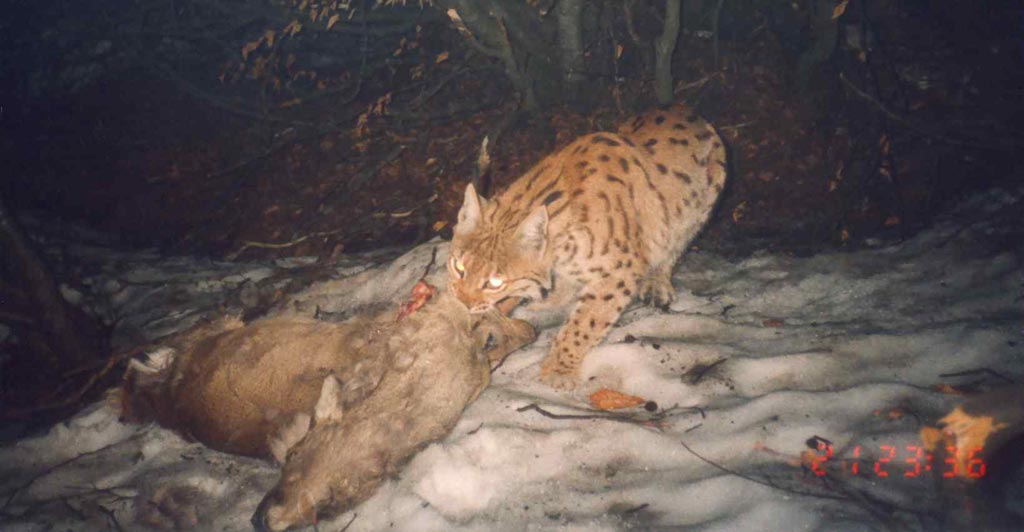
<point>328,407</point>
<point>533,231</point>
<point>469,214</point>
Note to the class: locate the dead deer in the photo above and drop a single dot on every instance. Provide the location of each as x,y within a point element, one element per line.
<point>340,405</point>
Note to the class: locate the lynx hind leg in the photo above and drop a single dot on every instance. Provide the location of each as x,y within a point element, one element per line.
<point>599,307</point>
<point>656,288</point>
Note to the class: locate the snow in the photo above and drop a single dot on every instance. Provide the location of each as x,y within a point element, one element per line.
<point>753,359</point>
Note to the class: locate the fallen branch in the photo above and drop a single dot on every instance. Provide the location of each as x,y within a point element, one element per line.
<point>32,480</point>
<point>701,371</point>
<point>365,174</point>
<point>653,421</point>
<point>767,483</point>
<point>913,126</point>
<point>77,396</point>
<point>978,371</point>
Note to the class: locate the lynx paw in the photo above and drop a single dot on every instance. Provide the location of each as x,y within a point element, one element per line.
<point>557,376</point>
<point>657,291</point>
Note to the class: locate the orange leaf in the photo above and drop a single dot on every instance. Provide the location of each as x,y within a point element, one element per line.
<point>332,21</point>
<point>839,9</point>
<point>249,47</point>
<point>969,434</point>
<point>947,389</point>
<point>441,57</point>
<point>739,211</point>
<point>892,221</point>
<point>931,437</point>
<point>605,399</point>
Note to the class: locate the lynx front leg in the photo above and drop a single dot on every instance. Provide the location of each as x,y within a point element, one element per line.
<point>599,307</point>
<point>656,288</point>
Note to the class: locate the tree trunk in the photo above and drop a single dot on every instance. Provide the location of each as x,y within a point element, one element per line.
<point>825,35</point>
<point>570,45</point>
<point>512,32</point>
<point>44,321</point>
<point>663,49</point>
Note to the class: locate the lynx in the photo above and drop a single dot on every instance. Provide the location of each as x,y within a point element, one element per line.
<point>603,220</point>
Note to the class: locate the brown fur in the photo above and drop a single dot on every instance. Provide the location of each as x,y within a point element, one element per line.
<point>378,390</point>
<point>598,222</point>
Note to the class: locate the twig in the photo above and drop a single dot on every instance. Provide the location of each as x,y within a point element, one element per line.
<point>704,370</point>
<point>350,521</point>
<point>363,176</point>
<point>246,244</point>
<point>737,126</point>
<point>433,259</point>
<point>1013,145</point>
<point>636,509</point>
<point>767,483</point>
<point>111,517</point>
<point>983,371</point>
<point>717,28</point>
<point>246,162</point>
<point>423,97</point>
<point>18,489</point>
<point>650,422</point>
<point>75,397</point>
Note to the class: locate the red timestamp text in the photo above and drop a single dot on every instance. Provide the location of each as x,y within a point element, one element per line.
<point>908,461</point>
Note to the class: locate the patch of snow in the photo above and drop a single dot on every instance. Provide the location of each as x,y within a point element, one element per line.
<point>755,358</point>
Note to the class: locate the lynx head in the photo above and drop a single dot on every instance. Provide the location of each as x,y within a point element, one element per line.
<point>494,257</point>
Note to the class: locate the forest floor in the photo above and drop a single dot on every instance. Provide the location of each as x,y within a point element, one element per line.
<point>810,169</point>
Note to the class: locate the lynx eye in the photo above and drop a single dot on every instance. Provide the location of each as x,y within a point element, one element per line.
<point>494,283</point>
<point>458,267</point>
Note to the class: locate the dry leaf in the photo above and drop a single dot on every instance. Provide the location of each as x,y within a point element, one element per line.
<point>439,225</point>
<point>892,221</point>
<point>931,437</point>
<point>292,28</point>
<point>249,47</point>
<point>739,211</point>
<point>441,58</point>
<point>947,389</point>
<point>332,21</point>
<point>773,322</point>
<point>605,399</point>
<point>969,434</point>
<point>839,9</point>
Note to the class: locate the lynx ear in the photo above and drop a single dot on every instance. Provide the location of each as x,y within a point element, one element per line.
<point>328,407</point>
<point>533,231</point>
<point>469,214</point>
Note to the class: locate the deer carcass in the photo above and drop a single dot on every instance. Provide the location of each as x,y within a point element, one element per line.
<point>340,405</point>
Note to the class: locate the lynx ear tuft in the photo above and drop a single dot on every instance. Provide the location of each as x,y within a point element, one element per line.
<point>328,407</point>
<point>533,231</point>
<point>469,214</point>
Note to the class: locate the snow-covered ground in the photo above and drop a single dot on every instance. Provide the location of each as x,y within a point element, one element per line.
<point>754,360</point>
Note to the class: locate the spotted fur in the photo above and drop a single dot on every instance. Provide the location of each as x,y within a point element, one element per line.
<point>602,220</point>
